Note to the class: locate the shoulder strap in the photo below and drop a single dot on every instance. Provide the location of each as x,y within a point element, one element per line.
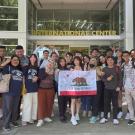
<point>133,64</point>
<point>9,70</point>
<point>41,61</point>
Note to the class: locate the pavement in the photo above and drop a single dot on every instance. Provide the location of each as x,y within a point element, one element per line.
<point>84,128</point>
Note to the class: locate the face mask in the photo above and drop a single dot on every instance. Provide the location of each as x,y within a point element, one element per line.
<point>92,65</point>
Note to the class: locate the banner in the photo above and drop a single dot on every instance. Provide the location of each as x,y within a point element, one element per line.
<point>74,33</point>
<point>77,83</point>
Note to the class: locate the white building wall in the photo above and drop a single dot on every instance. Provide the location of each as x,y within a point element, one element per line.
<point>22,23</point>
<point>129,24</point>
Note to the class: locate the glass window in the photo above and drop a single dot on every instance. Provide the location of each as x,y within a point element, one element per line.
<point>8,15</point>
<point>10,45</point>
<point>8,2</point>
<point>79,20</point>
<point>61,20</point>
<point>45,20</point>
<point>10,25</point>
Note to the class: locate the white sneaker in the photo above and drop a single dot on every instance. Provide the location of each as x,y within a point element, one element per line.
<point>73,121</point>
<point>103,120</point>
<point>127,116</point>
<point>115,122</point>
<point>40,123</point>
<point>31,122</point>
<point>47,119</point>
<point>120,114</point>
<point>77,117</point>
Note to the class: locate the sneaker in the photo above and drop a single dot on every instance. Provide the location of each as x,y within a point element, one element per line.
<point>6,129</point>
<point>120,114</point>
<point>63,119</point>
<point>15,124</point>
<point>131,122</point>
<point>93,120</point>
<point>24,123</point>
<point>40,123</point>
<point>77,117</point>
<point>74,121</point>
<point>84,113</point>
<point>103,121</point>
<point>47,120</point>
<point>31,122</point>
<point>115,122</point>
<point>127,116</point>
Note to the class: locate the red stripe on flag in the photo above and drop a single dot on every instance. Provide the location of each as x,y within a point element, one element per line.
<point>78,93</point>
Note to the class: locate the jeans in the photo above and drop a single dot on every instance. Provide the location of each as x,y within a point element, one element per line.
<point>86,103</point>
<point>10,109</point>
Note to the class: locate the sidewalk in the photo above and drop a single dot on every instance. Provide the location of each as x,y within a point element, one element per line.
<point>84,128</point>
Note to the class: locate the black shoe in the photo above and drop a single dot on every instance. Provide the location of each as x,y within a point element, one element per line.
<point>15,124</point>
<point>63,119</point>
<point>131,122</point>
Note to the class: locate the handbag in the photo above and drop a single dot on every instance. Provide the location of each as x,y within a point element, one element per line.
<point>5,82</point>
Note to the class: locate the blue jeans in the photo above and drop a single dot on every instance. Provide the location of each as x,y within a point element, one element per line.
<point>10,109</point>
<point>86,103</point>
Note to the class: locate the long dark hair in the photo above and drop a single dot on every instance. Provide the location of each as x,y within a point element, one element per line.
<point>36,62</point>
<point>59,65</point>
<point>79,59</point>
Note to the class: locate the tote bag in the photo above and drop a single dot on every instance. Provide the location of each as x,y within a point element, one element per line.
<point>4,82</point>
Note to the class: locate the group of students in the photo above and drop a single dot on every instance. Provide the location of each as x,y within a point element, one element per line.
<point>34,85</point>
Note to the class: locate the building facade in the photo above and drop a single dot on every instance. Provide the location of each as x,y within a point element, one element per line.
<point>66,25</point>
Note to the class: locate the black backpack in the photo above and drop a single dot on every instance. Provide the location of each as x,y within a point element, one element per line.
<point>41,61</point>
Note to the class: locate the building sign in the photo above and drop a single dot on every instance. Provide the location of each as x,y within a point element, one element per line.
<point>77,83</point>
<point>74,33</point>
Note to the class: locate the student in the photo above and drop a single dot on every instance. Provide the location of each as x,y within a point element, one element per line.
<point>69,60</point>
<point>43,62</point>
<point>102,64</point>
<point>111,80</point>
<point>94,53</point>
<point>19,51</point>
<point>76,100</point>
<point>29,112</point>
<point>11,99</point>
<point>3,62</point>
<point>119,61</point>
<point>62,100</point>
<point>128,76</point>
<point>24,61</point>
<point>86,100</point>
<point>46,93</point>
<point>96,98</point>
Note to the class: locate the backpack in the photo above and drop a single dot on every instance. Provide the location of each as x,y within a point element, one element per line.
<point>41,61</point>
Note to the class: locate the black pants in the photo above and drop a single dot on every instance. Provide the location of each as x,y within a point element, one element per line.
<point>96,99</point>
<point>62,103</point>
<point>110,95</point>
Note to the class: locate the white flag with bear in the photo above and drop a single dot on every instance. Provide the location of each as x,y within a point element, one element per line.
<point>77,83</point>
